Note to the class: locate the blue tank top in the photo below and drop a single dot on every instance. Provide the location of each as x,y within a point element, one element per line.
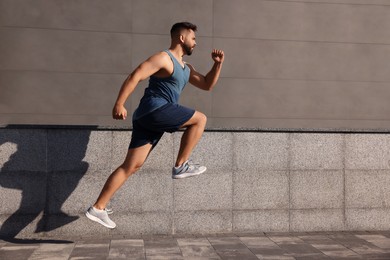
<point>163,90</point>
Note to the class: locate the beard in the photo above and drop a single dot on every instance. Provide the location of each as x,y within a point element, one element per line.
<point>187,49</point>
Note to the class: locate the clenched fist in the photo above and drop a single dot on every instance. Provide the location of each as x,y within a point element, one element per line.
<point>217,56</point>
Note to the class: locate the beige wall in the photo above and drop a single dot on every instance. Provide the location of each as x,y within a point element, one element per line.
<point>289,64</point>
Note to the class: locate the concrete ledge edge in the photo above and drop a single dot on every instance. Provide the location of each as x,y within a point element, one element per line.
<point>208,129</point>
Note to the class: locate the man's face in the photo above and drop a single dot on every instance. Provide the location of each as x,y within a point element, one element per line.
<point>189,42</point>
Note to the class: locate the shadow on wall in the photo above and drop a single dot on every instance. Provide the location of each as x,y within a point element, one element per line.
<point>46,167</point>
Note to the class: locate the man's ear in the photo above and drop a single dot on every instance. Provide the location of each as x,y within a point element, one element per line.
<point>181,38</point>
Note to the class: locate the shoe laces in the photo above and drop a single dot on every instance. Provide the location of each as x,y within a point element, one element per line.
<point>192,165</point>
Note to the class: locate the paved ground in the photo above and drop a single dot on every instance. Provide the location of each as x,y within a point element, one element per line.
<point>330,245</point>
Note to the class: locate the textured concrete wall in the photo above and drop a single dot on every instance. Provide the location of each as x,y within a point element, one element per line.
<point>256,181</point>
<point>289,64</point>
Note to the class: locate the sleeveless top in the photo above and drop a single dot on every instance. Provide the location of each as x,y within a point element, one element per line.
<point>163,90</point>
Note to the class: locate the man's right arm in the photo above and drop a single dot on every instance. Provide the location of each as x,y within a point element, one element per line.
<point>142,72</point>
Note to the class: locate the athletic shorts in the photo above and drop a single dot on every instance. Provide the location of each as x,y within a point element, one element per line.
<point>149,128</point>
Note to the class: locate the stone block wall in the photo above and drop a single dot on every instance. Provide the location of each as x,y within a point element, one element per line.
<point>256,182</point>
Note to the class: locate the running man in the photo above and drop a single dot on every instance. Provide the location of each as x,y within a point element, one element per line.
<point>159,112</point>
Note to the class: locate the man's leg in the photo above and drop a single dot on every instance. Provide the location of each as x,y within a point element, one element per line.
<point>134,160</point>
<point>195,127</point>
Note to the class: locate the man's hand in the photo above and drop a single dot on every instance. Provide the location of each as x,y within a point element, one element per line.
<point>119,112</point>
<point>217,56</point>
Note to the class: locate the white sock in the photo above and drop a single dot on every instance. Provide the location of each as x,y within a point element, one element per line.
<point>98,210</point>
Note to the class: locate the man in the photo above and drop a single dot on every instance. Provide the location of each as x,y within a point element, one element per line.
<point>159,112</point>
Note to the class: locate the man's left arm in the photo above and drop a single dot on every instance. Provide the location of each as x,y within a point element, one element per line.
<point>208,82</point>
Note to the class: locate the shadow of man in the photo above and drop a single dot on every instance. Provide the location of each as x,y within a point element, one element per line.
<point>46,166</point>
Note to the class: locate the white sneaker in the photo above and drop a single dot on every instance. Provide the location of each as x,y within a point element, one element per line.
<point>109,211</point>
<point>187,170</point>
<point>100,216</point>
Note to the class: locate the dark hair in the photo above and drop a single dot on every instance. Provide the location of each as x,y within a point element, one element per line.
<point>177,27</point>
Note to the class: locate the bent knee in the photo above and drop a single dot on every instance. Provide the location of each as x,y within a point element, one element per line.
<point>198,118</point>
<point>130,169</point>
<point>201,118</point>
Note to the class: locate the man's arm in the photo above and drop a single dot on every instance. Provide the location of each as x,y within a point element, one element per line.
<point>143,71</point>
<point>208,82</point>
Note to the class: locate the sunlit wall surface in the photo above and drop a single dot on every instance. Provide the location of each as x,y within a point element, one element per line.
<point>301,64</point>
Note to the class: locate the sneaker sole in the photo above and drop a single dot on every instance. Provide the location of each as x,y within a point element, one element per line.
<point>98,220</point>
<point>186,175</point>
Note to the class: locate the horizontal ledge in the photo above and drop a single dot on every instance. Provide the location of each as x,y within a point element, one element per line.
<point>209,129</point>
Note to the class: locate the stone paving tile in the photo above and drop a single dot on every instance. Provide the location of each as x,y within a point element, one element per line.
<point>296,247</point>
<point>358,245</point>
<point>52,251</point>
<point>336,251</point>
<point>264,248</point>
<point>91,249</point>
<point>382,257</point>
<point>250,234</point>
<point>288,246</point>
<point>276,257</point>
<point>12,251</point>
<point>312,257</point>
<point>2,243</point>
<point>162,248</point>
<point>233,254</point>
<point>383,233</point>
<point>231,248</point>
<point>127,249</point>
<point>197,247</point>
<point>329,247</point>
<point>377,240</point>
